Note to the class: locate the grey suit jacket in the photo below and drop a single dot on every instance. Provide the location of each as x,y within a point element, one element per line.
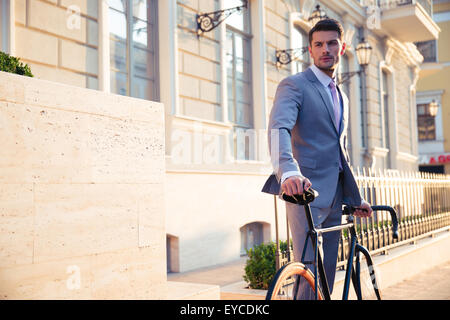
<point>303,136</point>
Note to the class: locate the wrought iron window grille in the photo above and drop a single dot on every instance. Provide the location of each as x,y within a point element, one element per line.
<point>210,20</point>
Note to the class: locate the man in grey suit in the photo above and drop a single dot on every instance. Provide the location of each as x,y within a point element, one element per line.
<point>308,144</point>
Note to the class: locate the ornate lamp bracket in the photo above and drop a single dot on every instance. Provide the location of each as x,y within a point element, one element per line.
<point>345,76</point>
<point>286,56</point>
<point>210,20</point>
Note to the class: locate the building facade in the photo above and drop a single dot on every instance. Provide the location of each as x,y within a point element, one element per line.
<point>434,86</point>
<point>218,88</point>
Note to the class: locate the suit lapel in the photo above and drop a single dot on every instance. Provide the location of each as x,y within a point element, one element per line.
<point>312,77</point>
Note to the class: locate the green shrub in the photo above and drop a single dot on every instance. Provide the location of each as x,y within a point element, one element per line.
<point>13,65</point>
<point>260,267</point>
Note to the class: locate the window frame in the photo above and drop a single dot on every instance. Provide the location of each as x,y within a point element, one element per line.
<point>423,118</point>
<point>236,134</point>
<point>130,50</point>
<point>6,27</point>
<point>297,26</point>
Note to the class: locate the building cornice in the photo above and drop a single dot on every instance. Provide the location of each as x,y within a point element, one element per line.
<point>407,51</point>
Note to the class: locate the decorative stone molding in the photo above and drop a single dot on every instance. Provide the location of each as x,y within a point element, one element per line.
<point>408,51</point>
<point>307,7</point>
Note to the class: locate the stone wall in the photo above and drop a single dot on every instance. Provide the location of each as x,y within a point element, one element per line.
<point>81,193</point>
<point>59,42</point>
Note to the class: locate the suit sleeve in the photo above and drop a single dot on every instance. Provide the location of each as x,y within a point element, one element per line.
<point>283,117</point>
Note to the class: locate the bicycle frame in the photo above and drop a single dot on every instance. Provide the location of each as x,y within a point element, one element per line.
<point>313,235</point>
<point>355,248</point>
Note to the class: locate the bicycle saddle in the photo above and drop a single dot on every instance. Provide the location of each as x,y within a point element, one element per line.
<point>308,196</point>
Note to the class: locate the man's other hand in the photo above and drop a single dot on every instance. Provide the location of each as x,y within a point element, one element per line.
<point>295,185</point>
<point>363,213</point>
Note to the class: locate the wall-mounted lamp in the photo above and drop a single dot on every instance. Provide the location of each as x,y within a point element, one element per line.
<point>428,109</point>
<point>363,54</point>
<point>317,15</point>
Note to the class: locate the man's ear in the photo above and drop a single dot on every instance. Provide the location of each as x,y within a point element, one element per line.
<point>309,49</point>
<point>344,45</point>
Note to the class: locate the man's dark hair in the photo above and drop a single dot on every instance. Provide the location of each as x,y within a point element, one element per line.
<point>327,25</point>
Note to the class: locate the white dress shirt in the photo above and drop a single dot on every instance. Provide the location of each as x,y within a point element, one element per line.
<point>325,80</point>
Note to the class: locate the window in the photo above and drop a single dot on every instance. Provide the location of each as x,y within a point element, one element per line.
<point>4,26</point>
<point>425,123</point>
<point>239,82</point>
<point>133,39</point>
<point>253,234</point>
<point>300,40</point>
<point>385,97</point>
<point>363,113</point>
<point>345,88</point>
<point>428,49</point>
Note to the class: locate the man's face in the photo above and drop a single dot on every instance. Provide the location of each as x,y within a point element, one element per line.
<point>325,49</point>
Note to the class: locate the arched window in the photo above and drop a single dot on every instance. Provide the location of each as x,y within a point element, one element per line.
<point>253,234</point>
<point>133,52</point>
<point>385,115</point>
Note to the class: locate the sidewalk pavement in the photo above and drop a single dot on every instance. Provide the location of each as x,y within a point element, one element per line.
<point>434,284</point>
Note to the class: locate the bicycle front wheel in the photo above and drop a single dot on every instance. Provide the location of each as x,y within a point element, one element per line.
<point>288,279</point>
<point>366,280</point>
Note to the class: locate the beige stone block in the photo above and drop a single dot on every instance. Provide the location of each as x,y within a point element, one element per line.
<point>270,4</point>
<point>210,49</point>
<point>199,109</point>
<point>54,146</point>
<point>151,223</point>
<point>201,67</point>
<point>192,4</point>
<point>36,46</point>
<point>62,279</point>
<point>11,90</point>
<point>16,227</point>
<point>44,72</point>
<point>208,5</point>
<point>125,274</point>
<point>129,274</point>
<point>188,41</point>
<point>189,86</point>
<point>59,96</point>
<point>84,219</point>
<point>63,23</point>
<point>20,11</point>
<point>210,91</point>
<point>277,22</point>
<point>79,57</point>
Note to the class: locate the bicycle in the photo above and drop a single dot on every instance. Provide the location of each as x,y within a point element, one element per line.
<point>287,279</point>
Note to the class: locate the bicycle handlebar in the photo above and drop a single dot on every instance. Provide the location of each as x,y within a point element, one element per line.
<point>350,210</point>
<point>393,217</point>
<point>310,194</point>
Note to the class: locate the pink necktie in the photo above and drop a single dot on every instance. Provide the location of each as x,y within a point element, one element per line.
<point>337,111</point>
<point>336,105</point>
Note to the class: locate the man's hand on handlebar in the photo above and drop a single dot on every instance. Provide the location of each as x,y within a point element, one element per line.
<point>364,210</point>
<point>295,185</point>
